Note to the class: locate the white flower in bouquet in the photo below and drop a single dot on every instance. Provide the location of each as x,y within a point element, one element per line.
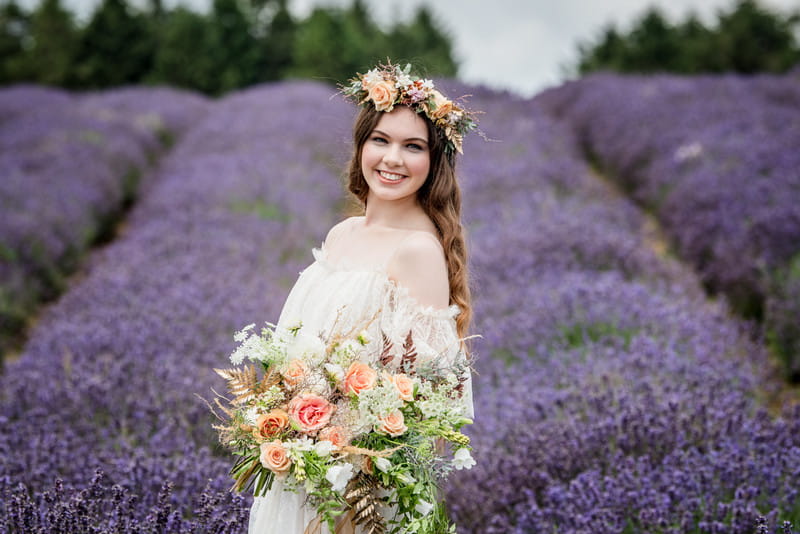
<point>335,371</point>
<point>383,464</point>
<point>242,334</point>
<point>324,448</point>
<point>306,348</point>
<point>462,459</point>
<point>346,352</point>
<point>423,507</point>
<point>364,337</point>
<point>339,475</point>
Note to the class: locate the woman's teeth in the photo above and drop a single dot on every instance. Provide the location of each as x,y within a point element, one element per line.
<point>391,176</point>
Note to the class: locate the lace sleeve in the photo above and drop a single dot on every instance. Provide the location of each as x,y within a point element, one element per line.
<point>433,331</point>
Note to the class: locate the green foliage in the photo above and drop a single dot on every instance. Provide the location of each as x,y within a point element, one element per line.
<point>116,48</point>
<point>237,44</point>
<point>54,39</point>
<point>14,31</point>
<point>781,317</point>
<point>747,38</point>
<point>182,57</point>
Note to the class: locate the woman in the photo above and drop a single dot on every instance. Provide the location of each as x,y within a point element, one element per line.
<point>403,262</point>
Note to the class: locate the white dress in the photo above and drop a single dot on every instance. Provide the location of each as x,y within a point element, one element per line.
<point>326,293</point>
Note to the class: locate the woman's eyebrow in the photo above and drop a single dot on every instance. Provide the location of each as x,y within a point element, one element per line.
<point>380,132</point>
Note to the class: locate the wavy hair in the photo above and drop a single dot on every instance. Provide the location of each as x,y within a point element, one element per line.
<point>440,198</point>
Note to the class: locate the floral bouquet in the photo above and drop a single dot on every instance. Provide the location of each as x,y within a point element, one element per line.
<point>362,433</point>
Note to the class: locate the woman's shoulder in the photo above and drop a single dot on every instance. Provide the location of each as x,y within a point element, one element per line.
<point>419,265</point>
<point>343,228</point>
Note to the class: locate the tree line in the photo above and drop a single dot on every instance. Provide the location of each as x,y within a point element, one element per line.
<point>745,38</point>
<point>236,44</point>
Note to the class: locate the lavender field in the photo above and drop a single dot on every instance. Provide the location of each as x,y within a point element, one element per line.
<point>612,394</point>
<point>719,165</point>
<point>71,166</point>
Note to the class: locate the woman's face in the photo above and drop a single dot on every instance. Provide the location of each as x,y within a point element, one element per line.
<point>395,159</point>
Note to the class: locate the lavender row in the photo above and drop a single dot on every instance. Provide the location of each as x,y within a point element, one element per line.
<point>716,159</point>
<point>71,165</point>
<point>215,242</point>
<point>612,396</point>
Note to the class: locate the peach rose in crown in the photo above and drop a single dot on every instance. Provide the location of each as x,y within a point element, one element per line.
<point>443,105</point>
<point>310,411</point>
<point>402,383</point>
<point>383,94</point>
<point>271,424</point>
<point>296,372</point>
<point>336,435</point>
<point>359,377</point>
<point>275,458</point>
<point>393,424</point>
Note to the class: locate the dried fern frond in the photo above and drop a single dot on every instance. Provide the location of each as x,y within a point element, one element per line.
<point>409,360</point>
<point>386,352</point>
<point>361,496</point>
<point>242,383</point>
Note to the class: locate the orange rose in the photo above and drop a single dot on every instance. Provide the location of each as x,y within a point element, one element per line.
<point>275,458</point>
<point>403,385</point>
<point>311,412</point>
<point>359,377</point>
<point>443,105</point>
<point>336,435</point>
<point>393,424</point>
<point>295,373</point>
<point>269,425</point>
<point>382,93</point>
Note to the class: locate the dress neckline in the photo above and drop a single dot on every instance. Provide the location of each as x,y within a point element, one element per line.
<point>321,258</point>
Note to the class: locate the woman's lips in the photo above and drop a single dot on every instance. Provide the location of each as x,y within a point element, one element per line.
<point>390,177</point>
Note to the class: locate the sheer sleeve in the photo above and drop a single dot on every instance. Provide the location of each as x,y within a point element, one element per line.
<point>434,333</point>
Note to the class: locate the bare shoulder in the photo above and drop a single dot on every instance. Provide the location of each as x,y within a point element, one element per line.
<point>341,229</point>
<point>419,265</point>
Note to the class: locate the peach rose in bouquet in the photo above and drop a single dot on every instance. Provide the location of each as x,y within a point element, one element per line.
<point>275,458</point>
<point>310,412</point>
<point>359,377</point>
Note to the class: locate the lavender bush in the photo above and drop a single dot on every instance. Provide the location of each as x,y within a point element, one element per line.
<point>71,165</point>
<point>611,395</point>
<point>716,159</point>
<point>214,243</point>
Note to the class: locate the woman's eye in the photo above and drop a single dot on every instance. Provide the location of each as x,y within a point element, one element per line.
<point>379,139</point>
<point>414,146</point>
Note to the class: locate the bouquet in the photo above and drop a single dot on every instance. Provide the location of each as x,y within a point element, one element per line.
<point>359,426</point>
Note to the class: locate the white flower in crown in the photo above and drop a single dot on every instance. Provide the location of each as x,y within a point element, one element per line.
<point>403,79</point>
<point>427,85</point>
<point>372,77</point>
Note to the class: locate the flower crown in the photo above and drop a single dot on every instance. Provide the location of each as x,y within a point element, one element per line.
<point>389,85</point>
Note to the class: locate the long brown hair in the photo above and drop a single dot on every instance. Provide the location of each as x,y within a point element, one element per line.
<point>440,198</point>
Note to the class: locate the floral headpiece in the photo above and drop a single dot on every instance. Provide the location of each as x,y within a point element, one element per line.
<point>388,85</point>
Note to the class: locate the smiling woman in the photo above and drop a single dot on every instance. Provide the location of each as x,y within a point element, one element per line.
<point>395,159</point>
<point>399,273</point>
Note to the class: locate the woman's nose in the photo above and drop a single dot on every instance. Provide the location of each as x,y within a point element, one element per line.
<point>392,155</point>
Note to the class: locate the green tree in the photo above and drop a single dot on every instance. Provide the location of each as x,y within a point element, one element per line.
<point>183,56</point>
<point>278,43</point>
<point>116,48</point>
<point>14,34</point>
<point>53,43</point>
<point>752,39</point>
<point>233,51</point>
<point>425,43</point>
<point>747,38</point>
<point>652,44</point>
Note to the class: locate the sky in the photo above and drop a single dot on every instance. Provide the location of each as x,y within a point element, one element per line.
<point>518,45</point>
